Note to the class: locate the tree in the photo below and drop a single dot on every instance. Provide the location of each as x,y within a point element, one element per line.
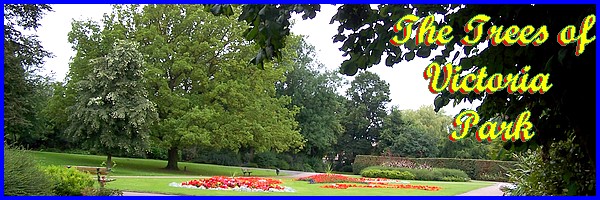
<point>268,25</point>
<point>469,148</point>
<point>23,57</point>
<point>405,134</point>
<point>112,111</point>
<point>367,97</point>
<point>366,31</point>
<point>319,118</point>
<point>197,76</point>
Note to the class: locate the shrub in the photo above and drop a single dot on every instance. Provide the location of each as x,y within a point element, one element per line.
<point>491,170</point>
<point>90,191</point>
<point>317,164</point>
<point>435,174</point>
<point>68,181</point>
<point>566,170</point>
<point>452,174</point>
<point>346,168</point>
<point>22,177</point>
<point>307,168</point>
<point>391,174</point>
<point>282,164</point>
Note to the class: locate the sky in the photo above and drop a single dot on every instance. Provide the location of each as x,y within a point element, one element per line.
<point>408,88</point>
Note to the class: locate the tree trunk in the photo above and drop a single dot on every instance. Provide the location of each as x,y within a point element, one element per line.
<point>108,161</point>
<point>172,159</point>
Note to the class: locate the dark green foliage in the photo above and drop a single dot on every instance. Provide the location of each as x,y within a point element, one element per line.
<point>414,133</point>
<point>250,165</point>
<point>266,160</point>
<point>102,191</point>
<point>465,148</point>
<point>346,168</point>
<point>566,171</point>
<point>68,181</point>
<point>365,111</point>
<point>314,93</point>
<point>221,157</point>
<point>22,177</point>
<point>25,92</point>
<point>491,170</point>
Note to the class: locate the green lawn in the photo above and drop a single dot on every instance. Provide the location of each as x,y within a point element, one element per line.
<point>156,184</point>
<point>144,167</point>
<point>303,188</point>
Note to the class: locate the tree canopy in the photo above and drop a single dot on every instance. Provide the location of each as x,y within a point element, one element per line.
<point>198,77</point>
<point>23,58</point>
<point>112,111</point>
<point>365,33</point>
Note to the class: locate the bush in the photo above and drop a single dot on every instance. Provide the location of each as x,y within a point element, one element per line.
<point>435,174</point>
<point>307,168</point>
<point>391,174</point>
<point>566,170</point>
<point>68,181</point>
<point>22,177</point>
<point>490,170</point>
<point>452,174</point>
<point>282,164</point>
<point>90,191</point>
<point>317,164</point>
<point>346,168</point>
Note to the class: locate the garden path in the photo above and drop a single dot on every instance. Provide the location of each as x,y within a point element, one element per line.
<point>493,190</point>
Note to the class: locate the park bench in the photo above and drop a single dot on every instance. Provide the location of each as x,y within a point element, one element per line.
<point>246,171</point>
<point>95,170</point>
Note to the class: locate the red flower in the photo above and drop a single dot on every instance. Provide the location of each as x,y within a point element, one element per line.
<point>226,183</point>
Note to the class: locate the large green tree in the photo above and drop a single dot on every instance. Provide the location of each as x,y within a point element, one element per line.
<point>413,133</point>
<point>314,92</point>
<point>23,88</point>
<point>112,112</point>
<point>197,75</point>
<point>363,121</point>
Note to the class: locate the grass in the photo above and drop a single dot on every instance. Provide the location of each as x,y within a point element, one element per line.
<point>144,167</point>
<point>152,170</point>
<point>303,188</point>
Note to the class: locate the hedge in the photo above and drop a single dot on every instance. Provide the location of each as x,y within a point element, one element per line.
<point>435,174</point>
<point>489,170</point>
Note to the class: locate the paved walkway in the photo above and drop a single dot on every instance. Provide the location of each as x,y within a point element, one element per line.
<point>493,190</point>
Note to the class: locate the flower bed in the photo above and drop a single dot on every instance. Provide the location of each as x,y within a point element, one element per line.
<point>340,182</point>
<point>247,184</point>
<point>337,178</point>
<point>383,185</point>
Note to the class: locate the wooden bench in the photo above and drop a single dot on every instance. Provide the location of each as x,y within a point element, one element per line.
<point>246,171</point>
<point>95,170</point>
